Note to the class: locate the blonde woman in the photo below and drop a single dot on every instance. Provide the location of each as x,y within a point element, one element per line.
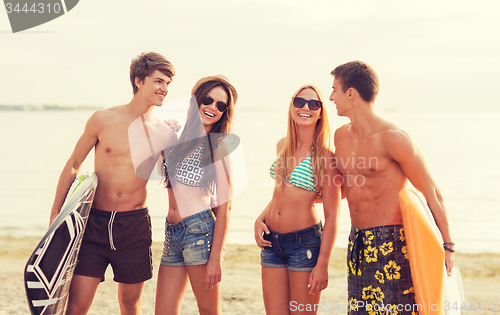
<point>296,247</point>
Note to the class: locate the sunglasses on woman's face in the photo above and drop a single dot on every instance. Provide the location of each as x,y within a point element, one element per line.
<point>299,102</point>
<point>208,100</point>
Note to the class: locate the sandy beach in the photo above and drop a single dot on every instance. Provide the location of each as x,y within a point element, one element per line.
<point>241,285</point>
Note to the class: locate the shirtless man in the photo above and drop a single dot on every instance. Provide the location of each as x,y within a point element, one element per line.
<point>376,158</point>
<point>120,199</point>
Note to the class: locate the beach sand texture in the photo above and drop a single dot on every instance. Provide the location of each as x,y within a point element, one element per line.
<point>241,285</point>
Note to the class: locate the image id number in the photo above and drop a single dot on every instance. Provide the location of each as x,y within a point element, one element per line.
<point>472,306</point>
<point>35,8</point>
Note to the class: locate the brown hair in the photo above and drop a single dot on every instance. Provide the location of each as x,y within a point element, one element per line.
<point>358,75</point>
<point>145,64</point>
<point>321,144</point>
<point>193,134</point>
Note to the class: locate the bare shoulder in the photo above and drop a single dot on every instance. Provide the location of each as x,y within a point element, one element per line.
<point>105,115</point>
<point>222,150</point>
<point>341,131</point>
<point>226,146</point>
<point>115,111</point>
<point>280,144</point>
<point>397,143</point>
<point>393,135</point>
<point>97,121</point>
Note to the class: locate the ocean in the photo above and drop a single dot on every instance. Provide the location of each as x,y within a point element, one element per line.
<point>461,149</point>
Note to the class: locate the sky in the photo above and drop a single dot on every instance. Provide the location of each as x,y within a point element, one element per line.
<point>439,55</point>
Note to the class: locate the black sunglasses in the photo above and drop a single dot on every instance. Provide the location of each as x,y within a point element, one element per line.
<point>299,102</point>
<point>208,100</point>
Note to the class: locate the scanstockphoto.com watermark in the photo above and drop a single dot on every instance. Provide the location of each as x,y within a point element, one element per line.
<point>395,308</point>
<point>26,14</point>
<point>360,306</point>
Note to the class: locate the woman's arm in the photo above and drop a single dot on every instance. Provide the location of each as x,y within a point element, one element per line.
<point>213,273</point>
<point>331,195</point>
<point>260,228</point>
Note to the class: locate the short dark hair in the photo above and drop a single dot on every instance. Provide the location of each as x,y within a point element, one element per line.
<point>358,75</point>
<point>146,63</point>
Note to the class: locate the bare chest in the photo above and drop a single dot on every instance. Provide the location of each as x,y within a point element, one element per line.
<point>113,141</point>
<point>365,157</point>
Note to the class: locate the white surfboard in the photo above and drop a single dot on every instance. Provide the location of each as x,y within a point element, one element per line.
<point>50,268</point>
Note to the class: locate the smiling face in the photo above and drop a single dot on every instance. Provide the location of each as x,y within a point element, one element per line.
<point>154,88</point>
<point>305,116</point>
<point>209,113</point>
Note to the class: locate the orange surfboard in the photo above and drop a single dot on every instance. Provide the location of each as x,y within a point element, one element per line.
<point>425,252</point>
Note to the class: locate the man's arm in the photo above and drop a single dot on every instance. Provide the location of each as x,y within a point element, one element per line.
<point>401,148</point>
<point>149,139</point>
<point>86,142</point>
<point>171,140</point>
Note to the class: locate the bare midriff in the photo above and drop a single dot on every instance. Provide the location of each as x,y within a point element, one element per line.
<point>185,202</point>
<point>376,202</point>
<point>291,210</point>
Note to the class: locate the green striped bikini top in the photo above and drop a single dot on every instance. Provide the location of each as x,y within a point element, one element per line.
<point>302,175</point>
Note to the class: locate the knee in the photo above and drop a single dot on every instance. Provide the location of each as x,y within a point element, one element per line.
<point>76,307</point>
<point>129,295</point>
<point>130,304</point>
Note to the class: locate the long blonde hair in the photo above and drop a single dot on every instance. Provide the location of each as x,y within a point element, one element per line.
<point>321,144</point>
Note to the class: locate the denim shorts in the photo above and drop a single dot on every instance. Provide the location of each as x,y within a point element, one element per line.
<point>188,242</point>
<point>297,251</point>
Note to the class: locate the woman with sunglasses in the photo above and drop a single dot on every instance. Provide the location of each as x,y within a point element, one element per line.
<point>296,248</point>
<point>196,172</point>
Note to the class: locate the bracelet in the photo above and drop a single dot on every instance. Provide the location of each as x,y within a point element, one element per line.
<point>448,243</point>
<point>448,249</point>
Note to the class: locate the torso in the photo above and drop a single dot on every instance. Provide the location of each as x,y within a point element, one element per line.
<point>119,188</point>
<point>292,208</point>
<point>371,179</point>
<point>186,197</point>
<point>190,170</point>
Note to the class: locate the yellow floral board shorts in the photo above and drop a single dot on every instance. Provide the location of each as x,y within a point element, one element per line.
<point>379,277</point>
